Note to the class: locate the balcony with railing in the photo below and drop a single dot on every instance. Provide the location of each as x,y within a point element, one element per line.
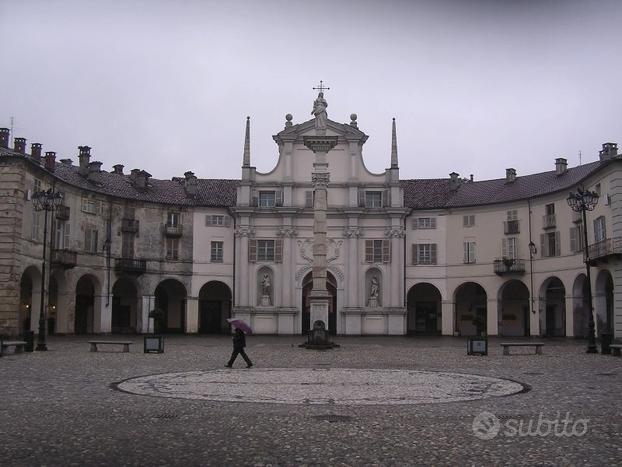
<point>604,250</point>
<point>173,231</point>
<point>65,259</point>
<point>507,266</point>
<point>62,213</point>
<point>549,221</point>
<point>129,225</point>
<point>511,227</point>
<point>130,265</point>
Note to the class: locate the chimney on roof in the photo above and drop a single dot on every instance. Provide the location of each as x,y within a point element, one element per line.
<point>84,157</point>
<point>454,181</point>
<point>19,145</point>
<point>609,151</point>
<point>510,175</point>
<point>190,184</point>
<point>66,162</point>
<point>35,152</point>
<point>94,168</point>
<point>4,137</point>
<point>117,169</point>
<point>50,161</point>
<point>561,166</point>
<point>140,179</point>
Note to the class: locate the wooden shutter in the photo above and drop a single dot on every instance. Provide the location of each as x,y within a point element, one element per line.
<point>369,251</point>
<point>227,221</point>
<point>433,222</point>
<point>308,199</point>
<point>278,198</point>
<point>386,251</point>
<point>544,246</point>
<point>278,250</point>
<point>361,197</point>
<point>433,253</point>
<point>415,223</point>
<point>573,240</point>
<point>386,198</point>
<point>208,220</point>
<point>87,239</point>
<point>465,255</point>
<point>254,201</point>
<point>504,248</point>
<point>414,253</point>
<point>252,251</point>
<point>67,235</point>
<point>557,244</point>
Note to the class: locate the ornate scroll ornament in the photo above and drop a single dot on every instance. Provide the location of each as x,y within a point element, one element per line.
<point>287,232</point>
<point>245,232</point>
<point>320,178</point>
<point>353,232</point>
<point>333,249</point>
<point>398,232</point>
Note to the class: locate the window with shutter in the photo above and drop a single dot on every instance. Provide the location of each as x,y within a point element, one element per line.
<point>600,231</point>
<point>386,251</point>
<point>252,251</point>
<point>425,253</point>
<point>469,252</point>
<point>265,250</point>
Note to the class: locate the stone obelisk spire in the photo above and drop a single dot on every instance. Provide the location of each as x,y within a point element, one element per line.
<point>320,144</point>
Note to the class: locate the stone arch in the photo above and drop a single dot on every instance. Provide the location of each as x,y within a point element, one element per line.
<point>553,314</point>
<point>86,305</point>
<point>29,299</point>
<point>603,302</point>
<point>170,305</point>
<point>126,309</point>
<point>214,308</point>
<point>331,287</point>
<point>470,309</point>
<point>580,307</point>
<point>424,305</point>
<point>513,309</point>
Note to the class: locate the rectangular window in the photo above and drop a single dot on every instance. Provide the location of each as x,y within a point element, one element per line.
<point>172,248</point>
<point>509,248</point>
<point>469,252</point>
<point>549,209</point>
<point>265,250</point>
<point>216,252</point>
<point>424,253</point>
<point>267,199</point>
<point>600,230</point>
<point>90,240</point>
<point>468,221</point>
<point>61,238</point>
<point>377,251</point>
<point>173,219</point>
<point>576,239</point>
<point>373,199</point>
<point>512,215</point>
<point>217,220</point>
<point>424,223</point>
<point>90,206</point>
<point>127,245</point>
<point>549,244</point>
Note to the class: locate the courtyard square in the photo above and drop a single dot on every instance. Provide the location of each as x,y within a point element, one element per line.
<point>70,406</point>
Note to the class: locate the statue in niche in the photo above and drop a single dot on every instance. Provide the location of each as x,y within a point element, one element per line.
<point>266,291</point>
<point>319,110</point>
<point>374,291</point>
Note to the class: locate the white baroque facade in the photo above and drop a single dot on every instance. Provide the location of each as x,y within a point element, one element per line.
<point>445,256</point>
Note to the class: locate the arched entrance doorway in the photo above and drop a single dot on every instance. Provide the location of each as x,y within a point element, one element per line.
<point>554,308</point>
<point>424,310</point>
<point>29,296</point>
<point>603,303</point>
<point>124,306</point>
<point>170,300</point>
<point>85,306</point>
<point>580,307</point>
<point>331,286</point>
<point>214,308</point>
<point>470,309</point>
<point>514,309</point>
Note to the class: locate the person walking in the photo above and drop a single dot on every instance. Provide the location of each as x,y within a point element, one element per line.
<point>239,342</point>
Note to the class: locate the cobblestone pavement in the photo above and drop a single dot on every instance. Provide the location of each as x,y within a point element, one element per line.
<point>61,407</point>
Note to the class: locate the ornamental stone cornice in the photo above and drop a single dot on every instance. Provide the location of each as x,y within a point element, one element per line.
<point>355,232</point>
<point>288,232</point>
<point>398,232</point>
<point>320,143</point>
<point>320,178</point>
<point>245,232</point>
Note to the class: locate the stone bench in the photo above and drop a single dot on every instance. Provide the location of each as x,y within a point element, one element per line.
<point>506,346</point>
<point>616,349</point>
<point>125,344</point>
<point>19,346</point>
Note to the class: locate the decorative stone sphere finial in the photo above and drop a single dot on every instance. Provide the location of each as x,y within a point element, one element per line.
<point>353,117</point>
<point>289,118</point>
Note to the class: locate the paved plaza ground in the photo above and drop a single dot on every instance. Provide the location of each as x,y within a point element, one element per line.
<point>69,406</point>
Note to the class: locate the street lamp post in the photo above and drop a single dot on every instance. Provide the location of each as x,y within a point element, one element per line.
<point>582,201</point>
<point>44,201</point>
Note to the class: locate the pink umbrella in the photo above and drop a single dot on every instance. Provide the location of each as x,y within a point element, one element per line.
<point>241,325</point>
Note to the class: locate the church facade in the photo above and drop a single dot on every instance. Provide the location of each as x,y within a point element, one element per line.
<point>451,256</point>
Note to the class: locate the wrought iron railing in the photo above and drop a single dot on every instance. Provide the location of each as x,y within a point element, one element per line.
<point>509,266</point>
<point>604,248</point>
<point>130,265</point>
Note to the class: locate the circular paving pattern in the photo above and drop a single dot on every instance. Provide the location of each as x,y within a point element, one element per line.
<point>340,386</point>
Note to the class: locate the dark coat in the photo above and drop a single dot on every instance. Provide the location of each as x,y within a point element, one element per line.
<point>239,340</point>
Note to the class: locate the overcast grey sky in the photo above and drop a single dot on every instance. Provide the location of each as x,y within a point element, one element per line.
<point>165,86</point>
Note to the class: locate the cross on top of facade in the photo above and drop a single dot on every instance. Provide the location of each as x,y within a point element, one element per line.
<point>321,87</point>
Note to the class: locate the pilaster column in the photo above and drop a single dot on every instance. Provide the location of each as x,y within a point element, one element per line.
<point>105,313</point>
<point>142,320</point>
<point>396,234</point>
<point>192,315</point>
<point>534,318</point>
<point>447,318</point>
<point>352,234</point>
<point>492,317</point>
<point>287,233</point>
<point>244,282</point>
